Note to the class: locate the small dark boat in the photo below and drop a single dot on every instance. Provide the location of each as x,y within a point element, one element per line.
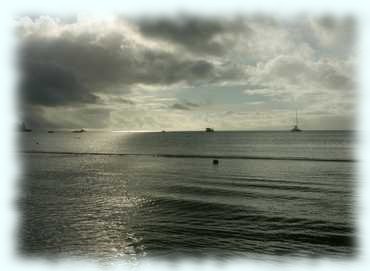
<point>296,129</point>
<point>23,128</point>
<point>51,131</point>
<point>79,131</point>
<point>209,130</point>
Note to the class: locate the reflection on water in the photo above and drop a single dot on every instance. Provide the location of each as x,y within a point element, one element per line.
<point>125,207</point>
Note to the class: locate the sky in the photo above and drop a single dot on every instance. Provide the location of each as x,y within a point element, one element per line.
<point>186,72</point>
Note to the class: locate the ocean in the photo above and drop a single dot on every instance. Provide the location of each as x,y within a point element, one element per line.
<point>114,195</point>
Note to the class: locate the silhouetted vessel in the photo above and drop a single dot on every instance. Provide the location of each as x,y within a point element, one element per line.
<point>295,127</point>
<point>209,130</point>
<point>79,131</point>
<point>23,128</point>
<point>51,131</point>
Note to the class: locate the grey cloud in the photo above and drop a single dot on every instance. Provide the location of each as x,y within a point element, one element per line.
<point>116,100</point>
<point>74,66</point>
<point>198,35</point>
<point>298,71</point>
<point>333,24</point>
<point>96,68</point>
<point>332,79</point>
<point>335,36</point>
<point>191,104</point>
<point>70,70</point>
<point>289,68</point>
<point>201,68</point>
<point>180,106</point>
<point>165,68</point>
<point>186,105</point>
<point>124,101</point>
<point>89,62</point>
<point>49,84</point>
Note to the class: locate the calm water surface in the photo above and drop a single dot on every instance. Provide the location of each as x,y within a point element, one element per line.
<point>273,193</point>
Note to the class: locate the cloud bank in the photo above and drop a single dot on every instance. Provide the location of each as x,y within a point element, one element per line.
<point>186,72</point>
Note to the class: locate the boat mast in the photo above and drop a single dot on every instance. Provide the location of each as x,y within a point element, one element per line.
<point>296,117</point>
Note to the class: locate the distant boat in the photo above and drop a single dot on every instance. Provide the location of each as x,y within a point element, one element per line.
<point>209,130</point>
<point>51,131</point>
<point>23,128</point>
<point>79,131</point>
<point>295,127</point>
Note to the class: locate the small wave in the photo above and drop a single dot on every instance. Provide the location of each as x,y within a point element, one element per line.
<point>200,156</point>
<point>239,225</point>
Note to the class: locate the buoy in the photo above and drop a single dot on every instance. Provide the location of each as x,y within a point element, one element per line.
<point>215,161</point>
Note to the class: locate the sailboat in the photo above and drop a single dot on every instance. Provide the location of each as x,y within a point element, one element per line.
<point>23,128</point>
<point>295,127</point>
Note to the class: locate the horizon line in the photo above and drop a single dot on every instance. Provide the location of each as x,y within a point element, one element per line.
<point>190,130</point>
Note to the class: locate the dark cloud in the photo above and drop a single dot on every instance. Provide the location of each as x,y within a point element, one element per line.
<point>201,68</point>
<point>180,106</point>
<point>60,71</point>
<point>49,84</point>
<point>191,104</point>
<point>123,101</point>
<point>165,68</point>
<point>89,62</point>
<point>73,69</point>
<point>184,105</point>
<point>198,35</point>
<point>116,100</point>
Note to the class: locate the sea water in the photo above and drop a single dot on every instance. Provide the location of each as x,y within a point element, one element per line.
<point>108,195</point>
